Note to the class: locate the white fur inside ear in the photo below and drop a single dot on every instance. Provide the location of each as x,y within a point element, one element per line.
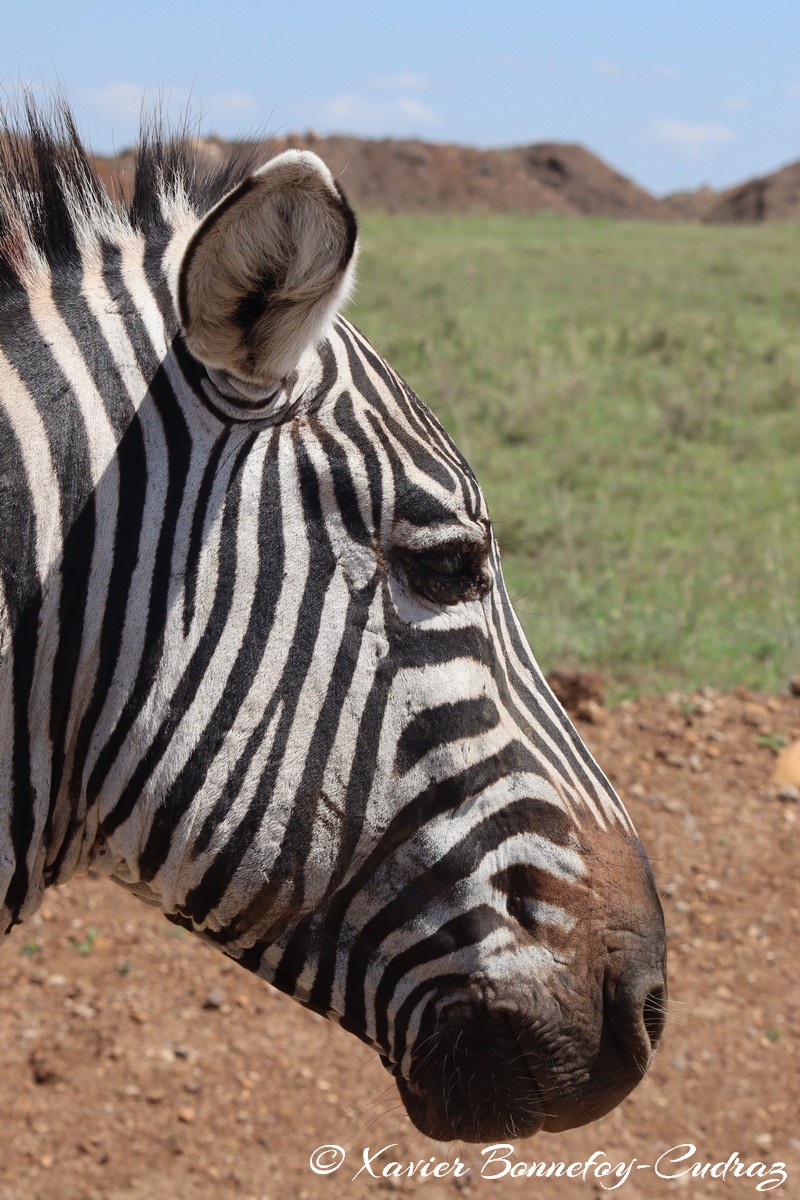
<point>267,269</point>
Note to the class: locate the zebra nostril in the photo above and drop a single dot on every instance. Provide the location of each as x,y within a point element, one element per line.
<point>636,1007</point>
<point>454,1011</point>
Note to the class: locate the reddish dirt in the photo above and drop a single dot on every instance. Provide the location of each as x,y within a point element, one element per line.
<point>139,1065</point>
<point>416,177</point>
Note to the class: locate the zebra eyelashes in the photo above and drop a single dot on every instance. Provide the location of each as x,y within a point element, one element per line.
<point>449,574</point>
<point>267,269</point>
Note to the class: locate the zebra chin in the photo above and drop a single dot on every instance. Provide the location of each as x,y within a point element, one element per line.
<point>500,1069</point>
<point>478,1087</point>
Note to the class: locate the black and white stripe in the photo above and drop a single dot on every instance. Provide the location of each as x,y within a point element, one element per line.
<point>258,661</point>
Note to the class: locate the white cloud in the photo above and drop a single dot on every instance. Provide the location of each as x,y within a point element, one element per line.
<point>120,101</point>
<point>735,104</point>
<point>793,91</point>
<point>404,81</point>
<point>692,140</point>
<point>354,113</point>
<point>614,73</point>
<point>124,102</point>
<point>606,69</point>
<point>230,104</point>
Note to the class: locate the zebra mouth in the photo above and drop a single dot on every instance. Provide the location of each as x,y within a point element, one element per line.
<point>486,1110</point>
<point>473,1083</point>
<point>489,1072</point>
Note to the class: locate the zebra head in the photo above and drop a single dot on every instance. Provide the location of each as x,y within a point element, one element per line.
<point>260,663</point>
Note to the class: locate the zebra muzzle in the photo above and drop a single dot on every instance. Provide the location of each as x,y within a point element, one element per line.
<point>495,1067</point>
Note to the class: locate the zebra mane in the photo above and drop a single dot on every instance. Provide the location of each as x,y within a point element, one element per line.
<point>54,206</point>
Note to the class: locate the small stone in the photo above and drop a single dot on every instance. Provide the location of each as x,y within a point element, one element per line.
<point>591,711</point>
<point>42,1069</point>
<point>792,794</point>
<point>186,1114</point>
<point>214,999</point>
<point>675,806</point>
<point>763,1141</point>
<point>794,686</point>
<point>787,766</point>
<point>754,714</point>
<point>83,1010</point>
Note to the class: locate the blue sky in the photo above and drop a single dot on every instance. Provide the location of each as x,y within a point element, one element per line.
<point>674,94</point>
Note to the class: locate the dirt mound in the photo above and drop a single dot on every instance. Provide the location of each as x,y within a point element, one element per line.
<point>138,1064</point>
<point>590,186</point>
<point>582,693</point>
<point>690,206</point>
<point>774,197</point>
<point>417,177</point>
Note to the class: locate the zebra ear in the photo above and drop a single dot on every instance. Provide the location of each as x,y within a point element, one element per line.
<point>267,268</point>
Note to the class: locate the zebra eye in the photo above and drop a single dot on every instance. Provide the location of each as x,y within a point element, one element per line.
<point>523,909</point>
<point>450,574</point>
<point>443,568</point>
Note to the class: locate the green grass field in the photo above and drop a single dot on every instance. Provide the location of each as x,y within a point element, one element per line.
<point>629,397</point>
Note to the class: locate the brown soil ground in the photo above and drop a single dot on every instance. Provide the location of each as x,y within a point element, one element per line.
<point>138,1065</point>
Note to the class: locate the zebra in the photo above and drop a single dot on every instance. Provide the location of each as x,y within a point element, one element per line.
<point>259,665</point>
